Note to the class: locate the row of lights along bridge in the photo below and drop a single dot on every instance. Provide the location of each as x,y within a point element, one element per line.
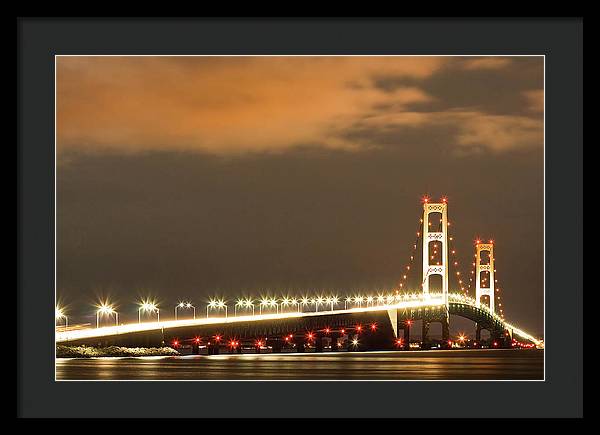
<point>249,306</point>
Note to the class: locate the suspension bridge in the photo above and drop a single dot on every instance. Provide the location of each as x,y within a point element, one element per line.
<point>363,322</point>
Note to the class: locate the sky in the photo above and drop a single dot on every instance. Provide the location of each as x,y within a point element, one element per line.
<point>184,178</point>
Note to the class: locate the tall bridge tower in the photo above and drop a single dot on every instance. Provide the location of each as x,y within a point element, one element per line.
<point>433,266</point>
<point>441,237</point>
<point>489,288</point>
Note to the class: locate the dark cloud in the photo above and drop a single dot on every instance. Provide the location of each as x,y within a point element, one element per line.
<point>500,90</point>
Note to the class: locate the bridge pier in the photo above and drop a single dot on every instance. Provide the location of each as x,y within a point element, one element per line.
<point>299,342</point>
<point>376,339</point>
<point>213,348</point>
<point>425,335</point>
<point>334,342</point>
<point>406,338</point>
<point>507,340</point>
<point>319,343</point>
<point>277,345</point>
<point>503,339</point>
<point>446,332</point>
<point>478,330</point>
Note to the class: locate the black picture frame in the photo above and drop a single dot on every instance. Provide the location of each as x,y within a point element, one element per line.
<point>560,40</point>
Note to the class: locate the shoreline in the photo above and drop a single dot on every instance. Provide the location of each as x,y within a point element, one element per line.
<point>84,352</point>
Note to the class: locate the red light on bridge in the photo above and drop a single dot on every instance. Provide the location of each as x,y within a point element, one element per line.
<point>399,342</point>
<point>425,199</point>
<point>310,335</point>
<point>409,322</point>
<point>358,328</point>
<point>343,331</point>
<point>327,330</point>
<point>444,199</point>
<point>217,338</point>
<point>495,344</point>
<point>373,326</point>
<point>197,340</point>
<point>175,343</point>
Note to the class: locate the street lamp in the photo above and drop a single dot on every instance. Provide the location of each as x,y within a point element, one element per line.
<point>333,300</point>
<point>187,305</point>
<point>150,307</point>
<point>211,305</point>
<point>359,300</point>
<point>264,302</point>
<point>249,304</point>
<point>305,301</point>
<point>221,304</point>
<point>369,300</point>
<point>318,302</point>
<point>295,302</point>
<point>273,303</point>
<point>346,302</point>
<point>60,314</point>
<point>214,304</point>
<point>108,310</point>
<point>240,303</point>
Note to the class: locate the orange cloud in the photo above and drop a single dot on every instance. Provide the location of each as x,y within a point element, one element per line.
<point>475,130</point>
<point>222,104</point>
<point>499,132</point>
<point>492,62</point>
<point>535,100</point>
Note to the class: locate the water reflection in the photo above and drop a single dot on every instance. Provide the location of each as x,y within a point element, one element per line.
<point>423,365</point>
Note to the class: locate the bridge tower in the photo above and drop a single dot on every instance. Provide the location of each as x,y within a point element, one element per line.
<point>439,268</point>
<point>489,267</point>
<point>439,237</point>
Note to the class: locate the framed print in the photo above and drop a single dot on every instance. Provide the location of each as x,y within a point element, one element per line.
<point>203,214</point>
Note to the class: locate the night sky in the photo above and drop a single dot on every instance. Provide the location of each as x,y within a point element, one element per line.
<point>191,177</point>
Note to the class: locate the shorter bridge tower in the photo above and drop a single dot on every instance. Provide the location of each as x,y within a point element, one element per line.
<point>489,289</point>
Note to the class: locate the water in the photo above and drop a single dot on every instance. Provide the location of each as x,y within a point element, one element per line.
<point>481,364</point>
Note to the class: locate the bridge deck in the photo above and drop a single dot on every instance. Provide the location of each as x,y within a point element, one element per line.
<point>458,304</point>
<point>62,336</point>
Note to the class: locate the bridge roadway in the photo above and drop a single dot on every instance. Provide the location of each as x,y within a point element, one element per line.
<point>389,319</point>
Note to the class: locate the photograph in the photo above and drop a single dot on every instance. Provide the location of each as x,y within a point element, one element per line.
<point>299,217</point>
